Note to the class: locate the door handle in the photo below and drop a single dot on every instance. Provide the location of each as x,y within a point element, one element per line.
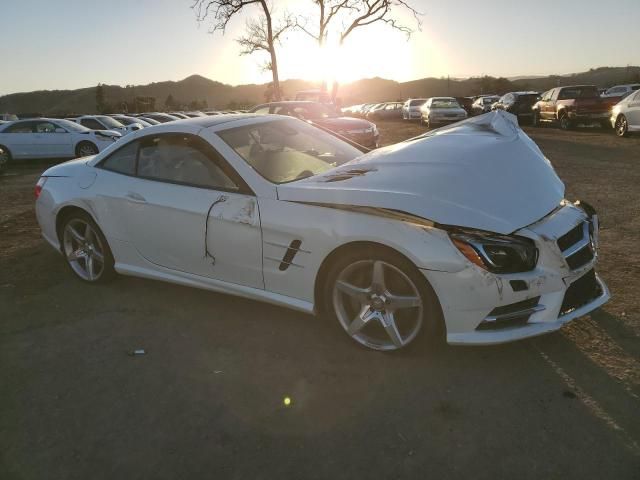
<point>135,197</point>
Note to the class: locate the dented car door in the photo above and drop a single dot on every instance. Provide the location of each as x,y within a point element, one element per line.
<point>186,211</point>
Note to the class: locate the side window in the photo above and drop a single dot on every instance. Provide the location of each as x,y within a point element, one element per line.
<point>22,127</point>
<point>92,124</point>
<point>182,159</point>
<point>122,160</point>
<point>45,127</point>
<point>262,110</point>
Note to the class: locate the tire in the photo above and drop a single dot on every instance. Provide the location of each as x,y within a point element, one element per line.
<point>85,249</point>
<point>622,126</point>
<point>85,149</point>
<point>564,122</point>
<point>5,159</point>
<point>386,314</point>
<point>535,119</point>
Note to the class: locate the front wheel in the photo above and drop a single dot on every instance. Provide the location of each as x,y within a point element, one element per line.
<point>5,159</point>
<point>565,123</point>
<point>86,149</point>
<point>380,299</point>
<point>86,250</point>
<point>622,126</point>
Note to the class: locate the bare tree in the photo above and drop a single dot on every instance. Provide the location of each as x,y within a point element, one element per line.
<point>220,12</point>
<point>353,14</point>
<point>256,38</point>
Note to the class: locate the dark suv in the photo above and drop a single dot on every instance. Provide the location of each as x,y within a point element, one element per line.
<point>518,103</point>
<point>357,130</point>
<point>567,106</point>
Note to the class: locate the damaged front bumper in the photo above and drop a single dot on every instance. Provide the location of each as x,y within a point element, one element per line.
<point>483,308</point>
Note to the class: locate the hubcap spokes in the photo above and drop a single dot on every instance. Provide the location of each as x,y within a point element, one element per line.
<point>386,314</point>
<point>83,250</point>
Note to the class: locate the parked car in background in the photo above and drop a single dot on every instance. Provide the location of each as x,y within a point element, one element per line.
<point>625,115</point>
<point>179,115</point>
<point>104,122</point>
<point>52,138</point>
<point>620,91</point>
<point>127,120</point>
<point>570,105</point>
<point>211,112</point>
<point>314,95</point>
<point>8,117</point>
<point>438,111</point>
<point>389,245</point>
<point>389,111</point>
<point>195,114</point>
<point>160,117</point>
<point>411,108</point>
<point>483,104</point>
<point>149,120</point>
<point>357,130</point>
<point>518,103</point>
<point>466,103</point>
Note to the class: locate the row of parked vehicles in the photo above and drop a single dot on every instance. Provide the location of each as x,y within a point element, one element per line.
<point>617,107</point>
<point>85,135</point>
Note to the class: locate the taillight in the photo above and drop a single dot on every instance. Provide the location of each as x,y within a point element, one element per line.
<point>39,185</point>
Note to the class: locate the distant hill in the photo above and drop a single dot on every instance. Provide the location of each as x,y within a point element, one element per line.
<point>201,91</point>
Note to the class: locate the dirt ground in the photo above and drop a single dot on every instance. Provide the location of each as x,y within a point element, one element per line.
<point>207,398</point>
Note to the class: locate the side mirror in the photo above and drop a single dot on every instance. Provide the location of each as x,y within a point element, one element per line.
<point>60,130</point>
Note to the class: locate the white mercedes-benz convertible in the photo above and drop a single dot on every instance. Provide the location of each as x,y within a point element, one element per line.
<point>463,231</point>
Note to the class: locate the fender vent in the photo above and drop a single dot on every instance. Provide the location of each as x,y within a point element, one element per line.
<point>289,255</point>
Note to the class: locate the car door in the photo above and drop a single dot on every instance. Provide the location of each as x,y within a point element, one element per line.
<point>547,112</point>
<point>19,139</point>
<point>53,141</point>
<point>633,110</point>
<point>187,210</point>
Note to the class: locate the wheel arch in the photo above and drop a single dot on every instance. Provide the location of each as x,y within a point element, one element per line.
<point>64,213</point>
<point>80,142</point>
<point>328,261</point>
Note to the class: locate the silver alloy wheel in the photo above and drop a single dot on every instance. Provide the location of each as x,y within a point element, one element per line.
<point>621,126</point>
<point>4,159</point>
<point>378,305</point>
<point>83,249</point>
<point>86,149</point>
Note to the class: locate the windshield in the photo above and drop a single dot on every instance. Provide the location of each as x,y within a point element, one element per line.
<point>489,100</point>
<point>578,92</point>
<point>417,103</point>
<point>72,126</point>
<point>287,150</point>
<point>444,103</point>
<point>110,122</point>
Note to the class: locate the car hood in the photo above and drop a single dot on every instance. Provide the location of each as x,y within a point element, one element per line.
<point>343,123</point>
<point>483,173</point>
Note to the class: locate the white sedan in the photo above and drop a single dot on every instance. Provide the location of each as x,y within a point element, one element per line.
<point>625,115</point>
<point>463,231</point>
<point>104,122</point>
<point>51,138</point>
<point>441,111</point>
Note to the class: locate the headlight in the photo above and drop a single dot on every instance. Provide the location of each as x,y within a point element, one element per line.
<point>494,252</point>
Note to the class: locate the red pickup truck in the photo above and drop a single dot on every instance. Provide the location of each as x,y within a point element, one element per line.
<point>568,106</point>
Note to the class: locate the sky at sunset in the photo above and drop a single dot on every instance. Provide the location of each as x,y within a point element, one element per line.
<point>72,44</point>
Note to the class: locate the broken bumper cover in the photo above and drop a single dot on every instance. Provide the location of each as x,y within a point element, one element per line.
<point>482,308</point>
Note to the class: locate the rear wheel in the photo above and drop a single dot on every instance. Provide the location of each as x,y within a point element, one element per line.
<point>380,299</point>
<point>85,248</point>
<point>622,126</point>
<point>5,159</point>
<point>85,149</point>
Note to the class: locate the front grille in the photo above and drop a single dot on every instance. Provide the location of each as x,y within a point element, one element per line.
<point>514,307</point>
<point>571,237</point>
<point>580,258</point>
<point>581,292</point>
<point>577,246</point>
